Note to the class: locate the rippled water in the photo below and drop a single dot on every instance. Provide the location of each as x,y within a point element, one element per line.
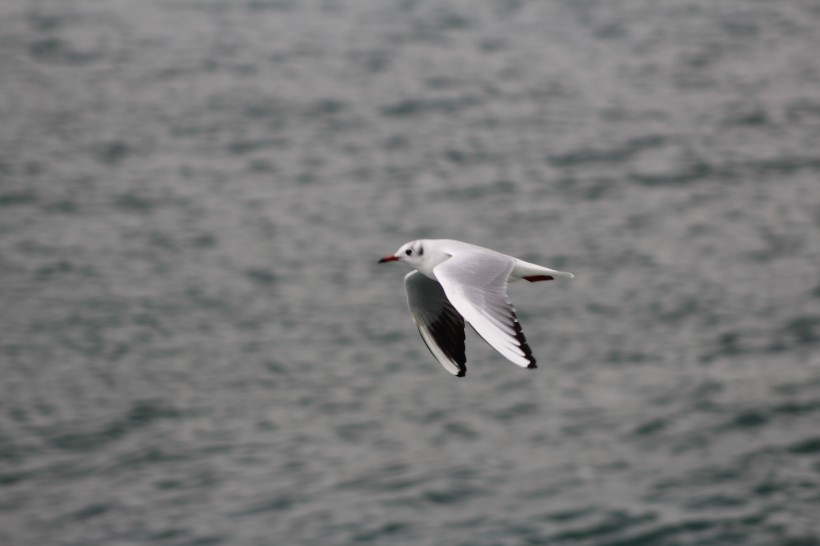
<point>198,347</point>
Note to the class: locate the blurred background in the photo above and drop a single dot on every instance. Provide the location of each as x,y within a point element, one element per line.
<point>198,347</point>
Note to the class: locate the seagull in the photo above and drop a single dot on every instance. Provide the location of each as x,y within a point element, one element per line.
<point>453,282</point>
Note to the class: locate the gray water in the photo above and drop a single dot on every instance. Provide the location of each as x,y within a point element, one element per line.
<point>198,346</point>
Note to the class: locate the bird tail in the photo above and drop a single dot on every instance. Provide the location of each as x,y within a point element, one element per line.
<point>534,273</point>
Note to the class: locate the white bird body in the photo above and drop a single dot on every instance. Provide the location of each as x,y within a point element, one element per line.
<point>436,251</point>
<point>455,281</point>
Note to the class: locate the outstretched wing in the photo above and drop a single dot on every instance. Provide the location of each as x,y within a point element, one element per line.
<point>440,325</point>
<point>475,282</point>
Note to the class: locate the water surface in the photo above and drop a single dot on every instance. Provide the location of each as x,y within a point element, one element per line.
<point>198,346</point>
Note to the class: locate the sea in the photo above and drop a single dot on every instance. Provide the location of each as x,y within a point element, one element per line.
<point>198,346</point>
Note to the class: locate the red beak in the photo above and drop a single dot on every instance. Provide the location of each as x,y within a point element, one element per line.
<point>388,259</point>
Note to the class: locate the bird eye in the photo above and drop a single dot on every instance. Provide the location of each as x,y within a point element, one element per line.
<point>408,251</point>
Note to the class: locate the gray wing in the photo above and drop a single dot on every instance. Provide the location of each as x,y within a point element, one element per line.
<point>475,282</point>
<point>440,325</point>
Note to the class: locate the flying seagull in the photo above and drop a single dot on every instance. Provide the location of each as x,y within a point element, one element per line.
<point>453,282</point>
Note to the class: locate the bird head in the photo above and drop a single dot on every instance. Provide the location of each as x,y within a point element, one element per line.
<point>411,253</point>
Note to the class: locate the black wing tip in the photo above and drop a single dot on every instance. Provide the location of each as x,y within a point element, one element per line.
<point>461,373</point>
<point>522,342</point>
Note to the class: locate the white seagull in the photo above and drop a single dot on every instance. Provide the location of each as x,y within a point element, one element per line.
<point>454,281</point>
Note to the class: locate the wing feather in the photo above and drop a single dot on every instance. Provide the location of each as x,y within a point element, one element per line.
<point>476,285</point>
<point>440,325</point>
